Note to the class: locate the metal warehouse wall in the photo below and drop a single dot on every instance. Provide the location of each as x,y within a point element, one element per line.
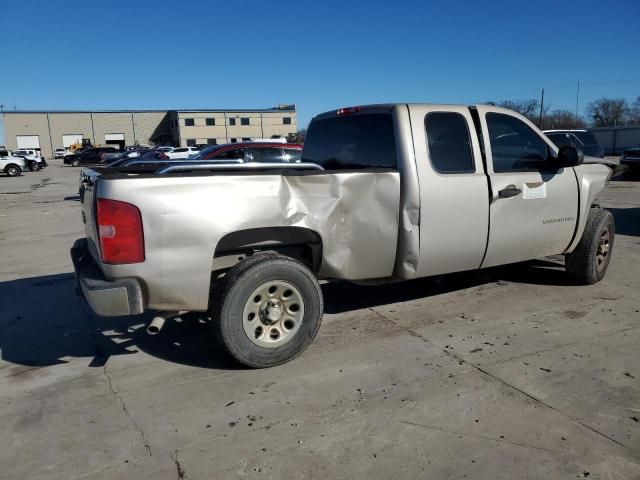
<point>16,124</point>
<point>145,127</point>
<point>616,139</point>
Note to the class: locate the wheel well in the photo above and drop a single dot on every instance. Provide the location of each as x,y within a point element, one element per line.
<point>12,165</point>
<point>300,243</point>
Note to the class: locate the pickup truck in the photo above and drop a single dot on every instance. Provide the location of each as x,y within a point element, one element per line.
<point>383,193</point>
<point>12,166</point>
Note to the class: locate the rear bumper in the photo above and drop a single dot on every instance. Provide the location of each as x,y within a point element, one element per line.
<point>106,299</point>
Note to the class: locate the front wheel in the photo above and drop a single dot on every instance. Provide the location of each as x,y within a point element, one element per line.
<point>268,311</point>
<point>13,170</point>
<point>588,263</point>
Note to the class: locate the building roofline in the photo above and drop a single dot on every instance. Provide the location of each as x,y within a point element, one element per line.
<point>179,110</point>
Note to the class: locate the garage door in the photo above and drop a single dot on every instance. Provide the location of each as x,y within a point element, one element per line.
<point>71,138</point>
<point>113,136</point>
<point>28,141</point>
<point>115,139</point>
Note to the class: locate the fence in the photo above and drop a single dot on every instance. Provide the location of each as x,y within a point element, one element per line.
<point>616,139</point>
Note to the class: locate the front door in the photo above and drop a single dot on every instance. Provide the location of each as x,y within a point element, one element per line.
<point>534,206</point>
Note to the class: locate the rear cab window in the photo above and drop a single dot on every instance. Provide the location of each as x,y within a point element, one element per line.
<point>351,141</point>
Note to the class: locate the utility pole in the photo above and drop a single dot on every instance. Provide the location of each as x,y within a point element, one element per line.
<point>541,109</point>
<point>577,100</point>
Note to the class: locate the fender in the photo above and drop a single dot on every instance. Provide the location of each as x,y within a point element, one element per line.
<point>592,179</point>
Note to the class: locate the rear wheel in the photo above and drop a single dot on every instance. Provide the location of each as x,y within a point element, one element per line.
<point>12,170</point>
<point>588,263</point>
<point>268,310</point>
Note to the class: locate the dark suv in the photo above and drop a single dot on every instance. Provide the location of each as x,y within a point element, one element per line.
<point>89,156</point>
<point>580,139</point>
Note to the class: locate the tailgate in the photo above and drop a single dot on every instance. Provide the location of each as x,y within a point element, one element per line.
<point>88,181</point>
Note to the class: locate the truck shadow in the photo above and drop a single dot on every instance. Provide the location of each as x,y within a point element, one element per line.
<point>43,323</point>
<point>627,221</point>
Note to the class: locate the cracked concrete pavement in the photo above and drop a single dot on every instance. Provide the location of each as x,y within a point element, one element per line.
<point>506,373</point>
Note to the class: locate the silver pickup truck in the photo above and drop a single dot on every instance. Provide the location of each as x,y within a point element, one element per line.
<point>383,193</point>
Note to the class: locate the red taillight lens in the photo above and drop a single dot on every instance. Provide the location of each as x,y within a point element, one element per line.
<point>120,232</point>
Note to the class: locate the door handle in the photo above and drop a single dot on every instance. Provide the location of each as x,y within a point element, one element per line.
<point>509,191</point>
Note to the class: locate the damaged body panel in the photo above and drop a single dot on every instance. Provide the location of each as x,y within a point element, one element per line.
<point>354,214</point>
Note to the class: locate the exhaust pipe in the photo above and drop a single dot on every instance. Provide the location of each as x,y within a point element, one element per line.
<point>157,323</point>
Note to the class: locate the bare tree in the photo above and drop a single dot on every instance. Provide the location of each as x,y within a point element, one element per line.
<point>563,119</point>
<point>529,108</point>
<point>634,112</point>
<point>606,112</point>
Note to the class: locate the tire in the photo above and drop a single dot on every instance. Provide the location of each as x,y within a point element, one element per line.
<point>588,263</point>
<point>75,163</point>
<point>283,322</point>
<point>13,170</point>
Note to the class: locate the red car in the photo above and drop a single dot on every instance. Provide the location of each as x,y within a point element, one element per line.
<point>263,152</point>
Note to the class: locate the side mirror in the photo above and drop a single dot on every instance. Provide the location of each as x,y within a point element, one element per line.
<point>569,157</point>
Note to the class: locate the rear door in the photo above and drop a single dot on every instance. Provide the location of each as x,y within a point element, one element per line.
<point>533,210</point>
<point>454,193</point>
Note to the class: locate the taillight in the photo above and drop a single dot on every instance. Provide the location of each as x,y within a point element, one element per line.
<point>120,232</point>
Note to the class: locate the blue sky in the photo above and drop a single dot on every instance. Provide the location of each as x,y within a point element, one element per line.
<point>318,54</point>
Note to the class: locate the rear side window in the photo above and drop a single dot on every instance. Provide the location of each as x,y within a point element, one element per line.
<point>351,141</point>
<point>292,155</point>
<point>266,155</point>
<point>234,154</point>
<point>449,142</point>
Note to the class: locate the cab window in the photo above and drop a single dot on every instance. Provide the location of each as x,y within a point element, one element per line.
<point>514,145</point>
<point>449,142</point>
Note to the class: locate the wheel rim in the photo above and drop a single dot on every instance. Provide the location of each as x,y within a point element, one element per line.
<point>604,246</point>
<point>13,171</point>
<point>273,313</point>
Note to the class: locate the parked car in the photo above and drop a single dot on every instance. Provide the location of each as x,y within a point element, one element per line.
<point>106,158</point>
<point>88,156</point>
<point>152,157</point>
<point>263,152</point>
<point>580,139</point>
<point>630,158</point>
<point>383,193</point>
<point>10,165</point>
<point>163,149</point>
<point>34,161</point>
<point>59,153</point>
<point>182,152</point>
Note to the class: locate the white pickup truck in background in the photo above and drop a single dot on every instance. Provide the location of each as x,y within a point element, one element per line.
<point>383,193</point>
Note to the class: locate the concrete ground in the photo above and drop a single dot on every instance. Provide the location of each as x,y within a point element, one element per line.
<point>500,374</point>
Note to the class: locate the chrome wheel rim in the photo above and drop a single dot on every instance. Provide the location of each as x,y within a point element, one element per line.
<point>604,246</point>
<point>273,313</point>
